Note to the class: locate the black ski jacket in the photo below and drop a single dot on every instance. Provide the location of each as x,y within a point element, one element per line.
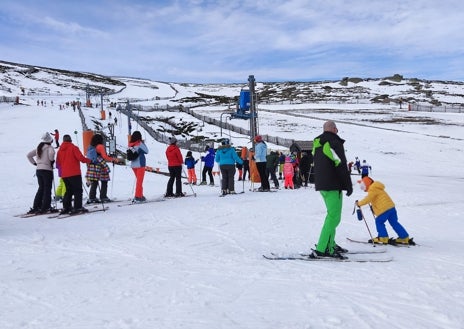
<point>330,166</point>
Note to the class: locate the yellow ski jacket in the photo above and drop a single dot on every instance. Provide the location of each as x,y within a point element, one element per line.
<point>378,198</point>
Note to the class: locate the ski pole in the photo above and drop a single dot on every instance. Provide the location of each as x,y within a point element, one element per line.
<point>112,182</point>
<point>372,210</point>
<point>201,170</point>
<point>54,190</point>
<point>361,217</point>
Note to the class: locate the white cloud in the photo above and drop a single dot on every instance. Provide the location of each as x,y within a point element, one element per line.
<point>203,40</point>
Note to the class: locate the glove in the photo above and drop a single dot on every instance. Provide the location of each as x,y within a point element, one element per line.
<point>349,190</point>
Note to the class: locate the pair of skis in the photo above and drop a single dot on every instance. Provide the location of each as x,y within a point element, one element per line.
<point>35,214</point>
<point>89,211</point>
<point>223,195</point>
<point>390,243</point>
<point>306,257</point>
<point>159,199</point>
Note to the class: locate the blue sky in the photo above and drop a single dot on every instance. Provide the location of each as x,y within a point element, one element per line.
<point>226,41</point>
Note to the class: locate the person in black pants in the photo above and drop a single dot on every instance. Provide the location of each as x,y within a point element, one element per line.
<point>68,159</point>
<point>43,157</point>
<point>272,161</point>
<point>175,162</point>
<point>305,167</point>
<point>260,158</point>
<point>208,159</point>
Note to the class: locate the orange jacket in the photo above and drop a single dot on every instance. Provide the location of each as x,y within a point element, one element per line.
<point>101,150</point>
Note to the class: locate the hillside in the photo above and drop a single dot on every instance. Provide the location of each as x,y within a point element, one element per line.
<point>22,79</point>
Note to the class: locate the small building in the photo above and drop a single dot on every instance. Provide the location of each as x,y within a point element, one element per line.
<point>301,146</point>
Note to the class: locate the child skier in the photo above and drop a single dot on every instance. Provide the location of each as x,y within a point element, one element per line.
<point>384,210</point>
<point>190,163</point>
<point>288,173</point>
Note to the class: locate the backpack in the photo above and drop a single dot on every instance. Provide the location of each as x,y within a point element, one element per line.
<point>92,154</point>
<point>132,154</point>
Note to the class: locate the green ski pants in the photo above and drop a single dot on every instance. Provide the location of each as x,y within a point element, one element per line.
<point>333,202</point>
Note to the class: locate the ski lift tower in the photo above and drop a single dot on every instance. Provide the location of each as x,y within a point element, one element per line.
<point>246,108</point>
<point>87,96</point>
<point>253,114</point>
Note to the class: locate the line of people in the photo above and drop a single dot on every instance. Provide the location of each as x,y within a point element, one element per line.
<point>97,176</point>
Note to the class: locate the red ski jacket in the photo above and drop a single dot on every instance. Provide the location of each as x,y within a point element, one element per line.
<point>174,156</point>
<point>69,158</point>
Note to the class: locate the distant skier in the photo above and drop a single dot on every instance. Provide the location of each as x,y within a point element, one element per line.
<point>56,135</point>
<point>357,165</point>
<point>365,169</point>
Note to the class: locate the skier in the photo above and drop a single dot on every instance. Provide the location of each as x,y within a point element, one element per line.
<point>281,164</point>
<point>246,162</point>
<point>43,157</point>
<point>288,171</point>
<point>61,187</point>
<point>175,162</point>
<point>190,163</point>
<point>384,210</point>
<point>331,178</point>
<point>56,134</point>
<point>68,159</point>
<point>305,167</point>
<point>260,158</point>
<point>227,157</point>
<point>357,164</point>
<point>272,161</point>
<point>138,165</point>
<point>365,169</point>
<point>99,171</point>
<point>208,159</point>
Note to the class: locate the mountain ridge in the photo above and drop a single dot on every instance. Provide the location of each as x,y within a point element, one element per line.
<point>23,79</point>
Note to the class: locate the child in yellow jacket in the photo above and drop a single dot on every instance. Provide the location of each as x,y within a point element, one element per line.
<point>384,210</point>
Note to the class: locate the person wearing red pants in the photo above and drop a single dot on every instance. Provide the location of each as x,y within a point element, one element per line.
<point>138,165</point>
